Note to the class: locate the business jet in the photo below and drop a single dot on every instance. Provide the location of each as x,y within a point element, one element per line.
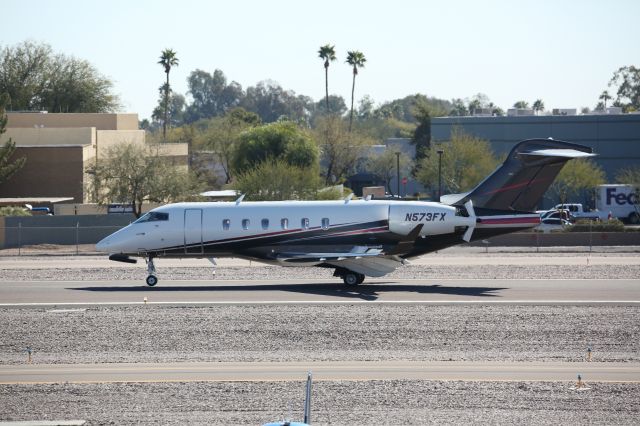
<point>356,238</point>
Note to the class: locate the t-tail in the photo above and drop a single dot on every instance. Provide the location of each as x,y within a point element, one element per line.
<point>507,198</point>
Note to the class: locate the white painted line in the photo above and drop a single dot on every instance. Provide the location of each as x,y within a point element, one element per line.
<point>329,302</point>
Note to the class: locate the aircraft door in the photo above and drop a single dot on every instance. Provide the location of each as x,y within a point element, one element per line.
<point>193,231</point>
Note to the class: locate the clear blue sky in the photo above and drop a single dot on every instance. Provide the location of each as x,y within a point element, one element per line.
<point>563,52</point>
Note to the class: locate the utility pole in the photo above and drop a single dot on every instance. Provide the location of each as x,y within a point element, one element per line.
<point>398,170</point>
<point>440,152</point>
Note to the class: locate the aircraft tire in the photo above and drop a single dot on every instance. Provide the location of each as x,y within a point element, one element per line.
<point>351,278</point>
<point>360,278</point>
<point>152,280</point>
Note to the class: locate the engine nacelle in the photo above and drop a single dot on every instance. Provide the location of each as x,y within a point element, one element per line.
<point>436,218</point>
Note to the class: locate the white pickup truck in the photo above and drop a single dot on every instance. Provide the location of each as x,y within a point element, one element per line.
<point>615,201</point>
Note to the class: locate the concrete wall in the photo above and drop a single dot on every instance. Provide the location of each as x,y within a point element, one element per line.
<point>48,172</point>
<point>563,239</point>
<point>105,121</point>
<point>109,138</point>
<point>615,138</point>
<point>50,136</point>
<point>23,231</point>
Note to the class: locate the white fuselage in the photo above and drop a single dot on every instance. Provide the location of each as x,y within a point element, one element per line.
<point>186,227</point>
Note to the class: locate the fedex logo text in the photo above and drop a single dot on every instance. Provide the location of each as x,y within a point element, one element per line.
<point>620,198</point>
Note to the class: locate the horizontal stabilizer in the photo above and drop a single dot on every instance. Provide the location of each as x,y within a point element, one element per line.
<point>566,153</point>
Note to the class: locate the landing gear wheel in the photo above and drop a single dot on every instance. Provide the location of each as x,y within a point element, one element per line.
<point>152,280</point>
<point>353,278</point>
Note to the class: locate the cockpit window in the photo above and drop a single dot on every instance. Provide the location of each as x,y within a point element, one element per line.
<point>153,217</point>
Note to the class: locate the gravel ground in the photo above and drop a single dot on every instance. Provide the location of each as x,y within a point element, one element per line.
<point>321,332</point>
<point>354,403</point>
<point>265,272</point>
<point>327,332</point>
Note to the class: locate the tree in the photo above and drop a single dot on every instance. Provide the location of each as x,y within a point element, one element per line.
<point>458,108</point>
<point>628,81</point>
<point>35,78</point>
<point>212,96</point>
<point>604,97</point>
<point>176,113</point>
<point>271,102</point>
<point>134,174</point>
<point>282,140</point>
<point>521,105</point>
<point>168,59</point>
<point>422,135</point>
<point>278,180</point>
<point>538,106</point>
<point>340,150</point>
<point>8,166</point>
<point>223,134</point>
<point>629,175</point>
<point>328,54</point>
<point>465,162</point>
<point>385,166</point>
<point>576,176</point>
<point>356,59</point>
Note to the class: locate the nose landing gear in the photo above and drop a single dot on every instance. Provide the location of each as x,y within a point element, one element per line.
<point>151,270</point>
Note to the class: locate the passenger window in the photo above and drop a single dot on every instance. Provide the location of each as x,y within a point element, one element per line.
<point>325,223</point>
<point>265,223</point>
<point>226,224</point>
<point>284,223</point>
<point>304,223</point>
<point>245,224</point>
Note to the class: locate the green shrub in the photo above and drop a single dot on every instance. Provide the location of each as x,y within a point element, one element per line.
<point>14,211</point>
<point>586,225</point>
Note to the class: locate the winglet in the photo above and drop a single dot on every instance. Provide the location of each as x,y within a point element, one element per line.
<point>240,198</point>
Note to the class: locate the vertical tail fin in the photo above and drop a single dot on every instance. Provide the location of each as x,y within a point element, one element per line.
<point>521,181</point>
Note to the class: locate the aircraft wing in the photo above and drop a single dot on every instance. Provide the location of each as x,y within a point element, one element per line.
<point>363,260</point>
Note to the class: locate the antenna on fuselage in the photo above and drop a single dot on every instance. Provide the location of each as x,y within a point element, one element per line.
<point>348,198</point>
<point>240,198</point>
<point>368,197</point>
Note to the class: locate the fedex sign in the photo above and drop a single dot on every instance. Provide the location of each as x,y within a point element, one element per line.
<point>620,198</point>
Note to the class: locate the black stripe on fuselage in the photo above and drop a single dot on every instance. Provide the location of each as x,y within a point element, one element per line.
<point>343,234</point>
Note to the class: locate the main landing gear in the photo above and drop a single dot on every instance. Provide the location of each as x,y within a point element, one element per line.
<point>151,270</point>
<point>349,277</point>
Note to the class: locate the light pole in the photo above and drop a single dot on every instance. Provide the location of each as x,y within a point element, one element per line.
<point>440,152</point>
<point>398,170</point>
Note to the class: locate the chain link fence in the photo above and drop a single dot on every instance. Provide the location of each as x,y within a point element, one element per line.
<point>38,240</point>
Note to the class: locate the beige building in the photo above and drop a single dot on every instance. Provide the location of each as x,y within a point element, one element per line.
<point>59,147</point>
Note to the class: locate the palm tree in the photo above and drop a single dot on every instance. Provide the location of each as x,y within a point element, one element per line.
<point>604,97</point>
<point>168,59</point>
<point>328,53</point>
<point>356,60</point>
<point>538,106</point>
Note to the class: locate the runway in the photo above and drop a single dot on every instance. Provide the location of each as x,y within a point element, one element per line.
<point>480,291</point>
<point>322,371</point>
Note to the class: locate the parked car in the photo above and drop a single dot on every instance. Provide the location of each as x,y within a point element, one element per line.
<point>552,224</point>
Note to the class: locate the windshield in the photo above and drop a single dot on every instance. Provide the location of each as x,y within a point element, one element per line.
<point>153,217</point>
